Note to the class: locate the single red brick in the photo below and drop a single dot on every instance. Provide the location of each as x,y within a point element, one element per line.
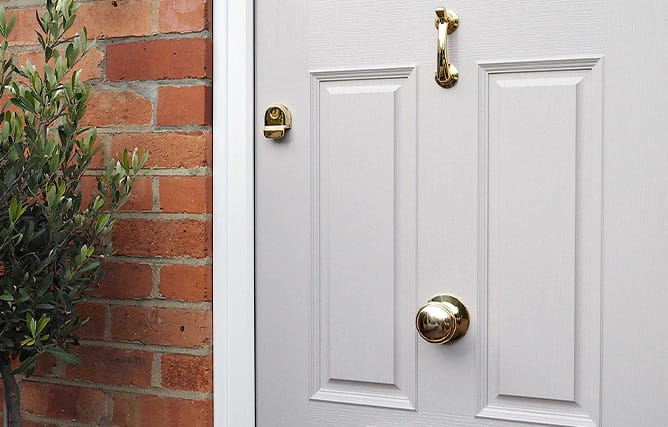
<point>63,402</point>
<point>182,16</point>
<point>117,108</point>
<point>125,280</point>
<point>161,326</point>
<point>89,65</point>
<point>105,365</point>
<point>168,149</point>
<point>95,327</point>
<point>185,372</point>
<point>120,18</point>
<point>160,59</point>
<point>191,194</point>
<point>187,282</point>
<point>167,238</point>
<point>132,410</point>
<point>187,105</point>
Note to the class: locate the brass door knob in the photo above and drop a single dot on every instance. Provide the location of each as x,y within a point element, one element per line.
<point>442,319</point>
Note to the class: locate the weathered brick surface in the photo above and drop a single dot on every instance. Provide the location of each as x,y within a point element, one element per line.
<point>105,365</point>
<point>191,194</point>
<point>116,18</point>
<point>156,238</point>
<point>182,16</point>
<point>150,328</point>
<point>131,410</point>
<point>187,105</point>
<point>118,108</point>
<point>186,282</point>
<point>125,280</point>
<point>24,31</point>
<point>185,372</point>
<point>168,149</point>
<point>160,59</point>
<point>63,402</point>
<point>161,326</point>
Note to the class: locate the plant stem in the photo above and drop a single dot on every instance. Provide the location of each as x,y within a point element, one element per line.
<point>12,396</point>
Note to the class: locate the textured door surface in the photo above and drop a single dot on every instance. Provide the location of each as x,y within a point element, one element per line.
<point>534,190</point>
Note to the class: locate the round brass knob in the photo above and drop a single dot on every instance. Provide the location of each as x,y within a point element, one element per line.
<point>442,319</point>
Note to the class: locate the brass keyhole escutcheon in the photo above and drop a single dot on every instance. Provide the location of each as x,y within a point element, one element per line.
<point>443,319</point>
<point>277,121</point>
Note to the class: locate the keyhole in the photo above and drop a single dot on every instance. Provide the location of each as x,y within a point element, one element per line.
<point>274,113</point>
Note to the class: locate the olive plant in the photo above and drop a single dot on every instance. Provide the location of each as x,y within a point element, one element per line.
<point>52,237</point>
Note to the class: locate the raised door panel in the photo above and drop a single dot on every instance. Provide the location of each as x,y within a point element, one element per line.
<point>540,247</point>
<point>364,196</point>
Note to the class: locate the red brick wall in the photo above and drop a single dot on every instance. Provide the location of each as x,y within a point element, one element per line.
<point>147,355</point>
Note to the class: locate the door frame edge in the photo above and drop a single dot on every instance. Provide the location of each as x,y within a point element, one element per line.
<point>233,214</point>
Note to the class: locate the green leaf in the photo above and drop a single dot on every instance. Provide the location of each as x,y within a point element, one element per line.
<point>43,321</point>
<point>26,364</point>
<point>16,209</point>
<point>32,324</point>
<point>90,266</point>
<point>64,356</point>
<point>10,26</point>
<point>28,342</point>
<point>3,18</point>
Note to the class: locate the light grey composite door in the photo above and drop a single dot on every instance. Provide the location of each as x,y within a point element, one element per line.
<point>535,190</point>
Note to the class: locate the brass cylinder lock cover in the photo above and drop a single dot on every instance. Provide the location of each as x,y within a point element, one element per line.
<point>277,121</point>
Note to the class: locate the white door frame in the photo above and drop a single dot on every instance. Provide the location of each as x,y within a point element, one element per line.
<point>233,214</point>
